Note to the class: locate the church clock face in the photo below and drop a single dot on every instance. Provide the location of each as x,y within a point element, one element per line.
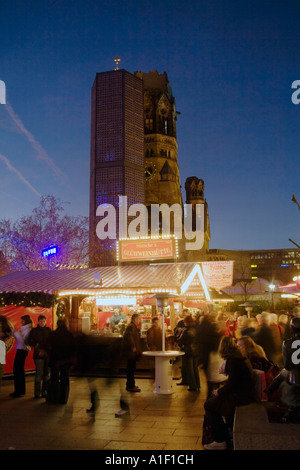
<point>150,171</point>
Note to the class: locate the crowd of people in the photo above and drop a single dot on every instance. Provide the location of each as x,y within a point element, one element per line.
<point>228,347</point>
<point>244,360</point>
<point>53,355</point>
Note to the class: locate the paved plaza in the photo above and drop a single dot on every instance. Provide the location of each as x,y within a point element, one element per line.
<point>156,422</point>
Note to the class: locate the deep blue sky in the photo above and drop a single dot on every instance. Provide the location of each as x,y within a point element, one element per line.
<point>231,65</point>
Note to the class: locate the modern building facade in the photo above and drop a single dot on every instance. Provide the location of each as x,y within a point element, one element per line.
<point>134,154</point>
<point>117,151</point>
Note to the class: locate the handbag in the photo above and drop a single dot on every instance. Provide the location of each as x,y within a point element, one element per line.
<point>260,385</point>
<point>271,374</point>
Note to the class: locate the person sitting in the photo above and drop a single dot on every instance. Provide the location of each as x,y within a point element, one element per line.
<point>262,367</point>
<point>239,389</point>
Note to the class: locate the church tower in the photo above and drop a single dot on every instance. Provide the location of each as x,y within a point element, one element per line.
<point>194,189</point>
<point>162,180</point>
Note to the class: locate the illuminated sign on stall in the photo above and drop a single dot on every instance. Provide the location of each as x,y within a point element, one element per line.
<point>147,249</point>
<point>218,274</point>
<point>116,301</point>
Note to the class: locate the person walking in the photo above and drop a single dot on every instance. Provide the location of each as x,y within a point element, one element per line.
<point>39,339</point>
<point>22,349</point>
<point>61,356</point>
<point>190,357</point>
<point>132,350</point>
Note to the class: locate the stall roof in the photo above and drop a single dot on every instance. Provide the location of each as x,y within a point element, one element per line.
<point>163,276</point>
<point>293,289</point>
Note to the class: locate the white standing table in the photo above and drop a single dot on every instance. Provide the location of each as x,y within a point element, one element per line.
<point>163,369</point>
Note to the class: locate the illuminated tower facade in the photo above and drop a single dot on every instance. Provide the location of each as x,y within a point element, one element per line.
<point>162,181</point>
<point>117,151</point>
<point>194,188</point>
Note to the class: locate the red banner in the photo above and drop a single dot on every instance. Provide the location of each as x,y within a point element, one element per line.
<point>133,250</point>
<point>14,314</point>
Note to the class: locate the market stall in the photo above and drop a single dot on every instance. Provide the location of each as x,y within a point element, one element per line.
<point>92,298</point>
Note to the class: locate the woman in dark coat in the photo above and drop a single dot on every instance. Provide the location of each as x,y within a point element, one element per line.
<point>190,358</point>
<point>132,350</point>
<point>239,389</point>
<point>62,350</point>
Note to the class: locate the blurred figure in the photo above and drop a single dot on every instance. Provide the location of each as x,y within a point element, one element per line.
<point>190,358</point>
<point>222,323</point>
<point>238,390</point>
<point>90,352</point>
<point>154,340</point>
<point>178,331</point>
<point>22,349</point>
<point>249,327</point>
<point>265,338</point>
<point>154,335</point>
<point>61,357</point>
<point>275,327</point>
<point>241,322</point>
<point>132,350</point>
<point>5,333</point>
<point>254,353</point>
<point>215,376</point>
<point>231,325</point>
<point>180,325</point>
<point>208,339</point>
<point>38,339</point>
<point>284,326</point>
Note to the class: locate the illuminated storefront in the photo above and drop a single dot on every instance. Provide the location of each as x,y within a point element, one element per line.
<point>92,298</point>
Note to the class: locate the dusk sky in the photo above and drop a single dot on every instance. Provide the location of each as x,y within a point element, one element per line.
<point>231,65</point>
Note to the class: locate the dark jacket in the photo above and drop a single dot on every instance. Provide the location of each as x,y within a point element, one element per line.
<point>154,338</point>
<point>240,382</point>
<point>62,346</point>
<point>39,339</point>
<point>131,340</point>
<point>265,338</point>
<point>189,341</point>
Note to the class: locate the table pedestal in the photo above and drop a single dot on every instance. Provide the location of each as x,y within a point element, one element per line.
<point>163,370</point>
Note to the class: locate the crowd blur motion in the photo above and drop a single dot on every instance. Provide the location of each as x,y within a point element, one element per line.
<point>228,347</point>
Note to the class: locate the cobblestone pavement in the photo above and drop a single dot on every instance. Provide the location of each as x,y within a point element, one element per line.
<point>156,422</point>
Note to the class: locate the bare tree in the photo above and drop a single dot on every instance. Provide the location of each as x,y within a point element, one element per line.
<point>22,242</point>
